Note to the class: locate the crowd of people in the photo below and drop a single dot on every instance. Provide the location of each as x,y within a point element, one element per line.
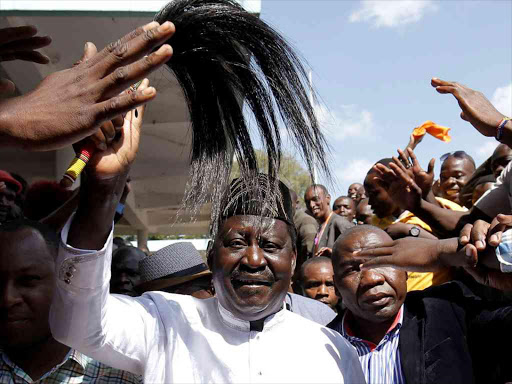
<point>405,279</point>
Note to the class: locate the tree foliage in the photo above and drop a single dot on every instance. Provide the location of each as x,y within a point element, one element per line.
<point>292,173</point>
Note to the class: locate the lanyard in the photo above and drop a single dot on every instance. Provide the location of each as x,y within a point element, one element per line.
<point>320,233</point>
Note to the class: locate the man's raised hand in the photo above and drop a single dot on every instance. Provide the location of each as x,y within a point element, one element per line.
<point>70,105</point>
<point>476,109</point>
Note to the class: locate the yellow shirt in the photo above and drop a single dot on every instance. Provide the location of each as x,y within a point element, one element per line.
<point>416,281</point>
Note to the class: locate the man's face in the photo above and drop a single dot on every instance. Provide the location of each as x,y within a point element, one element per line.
<point>378,198</point>
<point>7,202</point>
<point>353,190</point>
<point>376,294</point>
<point>500,159</point>
<point>455,173</point>
<point>345,206</point>
<point>364,213</point>
<point>252,264</point>
<point>318,283</point>
<point>317,203</point>
<point>26,288</point>
<point>125,272</point>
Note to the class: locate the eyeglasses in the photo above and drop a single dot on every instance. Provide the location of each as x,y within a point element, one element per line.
<point>456,154</point>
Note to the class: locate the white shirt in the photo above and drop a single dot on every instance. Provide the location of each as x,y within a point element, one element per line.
<point>174,338</point>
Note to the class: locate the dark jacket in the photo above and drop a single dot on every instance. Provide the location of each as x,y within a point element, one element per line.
<point>335,227</point>
<point>451,336</point>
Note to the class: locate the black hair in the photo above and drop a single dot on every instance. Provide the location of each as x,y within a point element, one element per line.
<point>49,235</point>
<point>225,57</point>
<point>459,155</point>
<point>126,249</point>
<point>318,186</point>
<point>313,260</point>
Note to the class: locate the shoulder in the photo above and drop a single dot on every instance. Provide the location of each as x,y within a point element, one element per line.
<point>302,218</point>
<point>310,309</point>
<point>102,372</point>
<point>340,222</point>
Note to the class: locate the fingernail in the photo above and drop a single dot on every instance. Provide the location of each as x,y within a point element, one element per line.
<point>86,45</point>
<point>164,50</point>
<point>480,244</point>
<point>469,253</point>
<point>494,238</point>
<point>151,25</point>
<point>165,27</point>
<point>149,91</point>
<point>464,239</point>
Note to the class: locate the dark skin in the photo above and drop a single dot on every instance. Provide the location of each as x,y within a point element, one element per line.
<point>318,204</point>
<point>353,190</point>
<point>125,271</point>
<point>364,212</point>
<point>479,190</point>
<point>91,89</point>
<point>373,297</point>
<point>455,173</point>
<point>252,265</point>
<point>26,284</point>
<point>318,283</point>
<point>345,206</point>
<point>500,158</point>
<point>379,199</point>
<point>7,201</point>
<point>200,288</point>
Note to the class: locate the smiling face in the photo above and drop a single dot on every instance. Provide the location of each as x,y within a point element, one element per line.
<point>253,259</point>
<point>354,189</point>
<point>26,288</point>
<point>455,173</point>
<point>318,203</point>
<point>318,281</point>
<point>375,295</point>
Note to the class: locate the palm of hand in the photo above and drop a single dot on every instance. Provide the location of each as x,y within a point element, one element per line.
<point>404,195</point>
<point>423,179</point>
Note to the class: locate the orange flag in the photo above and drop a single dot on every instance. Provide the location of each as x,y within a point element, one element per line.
<point>433,129</point>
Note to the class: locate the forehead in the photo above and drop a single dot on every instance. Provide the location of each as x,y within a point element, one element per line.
<point>344,201</point>
<point>321,267</point>
<point>355,186</point>
<point>127,259</point>
<point>452,164</point>
<point>255,225</point>
<point>357,241</point>
<point>311,192</point>
<point>24,248</point>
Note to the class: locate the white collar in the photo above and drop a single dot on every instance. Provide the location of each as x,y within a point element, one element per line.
<point>244,325</point>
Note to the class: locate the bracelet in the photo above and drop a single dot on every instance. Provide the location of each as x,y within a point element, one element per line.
<point>501,125</point>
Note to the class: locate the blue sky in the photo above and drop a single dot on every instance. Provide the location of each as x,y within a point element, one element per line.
<point>372,62</point>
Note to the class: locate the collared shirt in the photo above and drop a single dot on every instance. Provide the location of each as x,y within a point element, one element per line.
<point>381,363</point>
<point>175,338</point>
<point>76,368</point>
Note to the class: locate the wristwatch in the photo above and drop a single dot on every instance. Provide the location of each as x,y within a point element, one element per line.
<point>414,232</point>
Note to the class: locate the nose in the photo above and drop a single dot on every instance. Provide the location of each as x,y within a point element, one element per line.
<point>9,296</point>
<point>322,291</point>
<point>371,278</point>
<point>254,258</point>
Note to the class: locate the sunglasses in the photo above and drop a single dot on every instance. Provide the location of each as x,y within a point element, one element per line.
<point>456,154</point>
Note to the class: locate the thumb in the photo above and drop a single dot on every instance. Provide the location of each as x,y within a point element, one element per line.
<point>89,51</point>
<point>431,165</point>
<point>504,219</point>
<point>7,87</point>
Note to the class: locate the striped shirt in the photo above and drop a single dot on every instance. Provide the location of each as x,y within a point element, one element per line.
<point>75,369</point>
<point>381,363</point>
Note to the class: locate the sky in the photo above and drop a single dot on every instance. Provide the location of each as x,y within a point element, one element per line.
<point>372,62</point>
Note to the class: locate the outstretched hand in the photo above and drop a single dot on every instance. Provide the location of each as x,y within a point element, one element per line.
<point>481,233</point>
<point>72,104</point>
<point>476,109</point>
<point>418,255</point>
<point>20,43</point>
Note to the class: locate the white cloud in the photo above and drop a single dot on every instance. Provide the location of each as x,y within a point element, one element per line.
<point>485,150</point>
<point>385,13</point>
<point>502,99</point>
<point>348,121</point>
<point>354,171</point>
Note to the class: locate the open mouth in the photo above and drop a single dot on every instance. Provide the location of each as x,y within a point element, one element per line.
<point>243,282</point>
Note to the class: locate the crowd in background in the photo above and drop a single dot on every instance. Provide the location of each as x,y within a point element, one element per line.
<point>410,269</point>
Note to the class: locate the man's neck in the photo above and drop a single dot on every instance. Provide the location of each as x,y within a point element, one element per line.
<point>367,330</point>
<point>39,358</point>
<point>324,219</point>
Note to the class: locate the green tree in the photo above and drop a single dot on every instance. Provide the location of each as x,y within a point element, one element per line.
<point>292,173</point>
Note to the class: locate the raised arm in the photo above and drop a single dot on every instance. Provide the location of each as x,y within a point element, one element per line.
<point>110,328</point>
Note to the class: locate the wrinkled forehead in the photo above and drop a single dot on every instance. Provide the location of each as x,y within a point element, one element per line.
<point>358,241</point>
<point>257,225</point>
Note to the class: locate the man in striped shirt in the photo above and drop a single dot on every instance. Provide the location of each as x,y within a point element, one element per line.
<point>374,301</point>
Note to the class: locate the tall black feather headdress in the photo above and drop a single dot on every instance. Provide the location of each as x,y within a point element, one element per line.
<point>225,57</point>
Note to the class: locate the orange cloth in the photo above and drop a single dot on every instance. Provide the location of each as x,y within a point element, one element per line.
<point>433,129</point>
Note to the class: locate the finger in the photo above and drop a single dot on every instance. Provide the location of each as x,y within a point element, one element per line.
<point>131,51</point>
<point>121,104</point>
<point>123,77</point>
<point>399,164</point>
<point>7,87</point>
<point>400,172</point>
<point>126,38</point>
<point>138,116</point>
<point>446,89</point>
<point>504,219</point>
<point>471,259</point>
<point>385,249</point>
<point>412,156</point>
<point>33,56</point>
<point>465,234</point>
<point>479,234</point>
<point>99,139</point>
<point>89,51</point>
<point>118,121</point>
<point>17,33</point>
<point>404,159</point>
<point>29,44</point>
<point>382,262</point>
<point>431,166</point>
<point>108,131</point>
<point>463,116</point>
